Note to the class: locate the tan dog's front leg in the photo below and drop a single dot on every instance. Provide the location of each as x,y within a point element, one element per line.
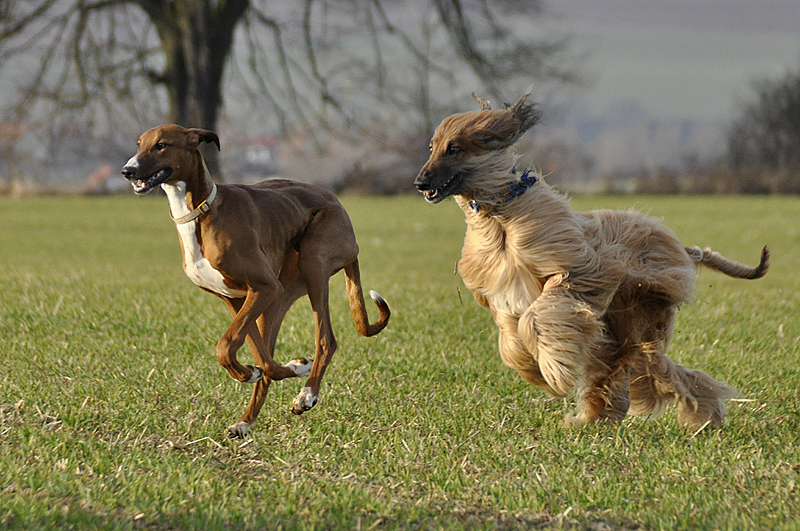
<point>515,353</point>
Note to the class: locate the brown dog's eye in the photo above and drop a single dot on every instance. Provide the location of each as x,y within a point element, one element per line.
<point>452,150</point>
<point>160,145</point>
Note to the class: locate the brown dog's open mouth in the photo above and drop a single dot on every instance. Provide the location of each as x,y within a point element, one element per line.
<point>445,190</point>
<point>142,186</point>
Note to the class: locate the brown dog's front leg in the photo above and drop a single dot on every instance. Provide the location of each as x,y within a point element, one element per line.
<point>244,312</point>
<point>233,339</point>
<point>248,418</point>
<point>273,370</point>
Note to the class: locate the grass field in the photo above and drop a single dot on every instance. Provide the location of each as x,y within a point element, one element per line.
<point>113,407</point>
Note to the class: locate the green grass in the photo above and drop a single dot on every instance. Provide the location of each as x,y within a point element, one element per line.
<point>113,407</point>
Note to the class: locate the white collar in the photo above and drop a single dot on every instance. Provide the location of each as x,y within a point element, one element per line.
<point>201,209</point>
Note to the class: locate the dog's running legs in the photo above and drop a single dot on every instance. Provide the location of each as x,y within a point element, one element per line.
<point>316,273</point>
<point>267,367</point>
<point>244,311</point>
<point>515,354</point>
<point>269,323</point>
<point>566,336</point>
<point>244,328</point>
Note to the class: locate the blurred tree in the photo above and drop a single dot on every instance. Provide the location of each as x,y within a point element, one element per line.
<point>766,135</point>
<point>116,67</point>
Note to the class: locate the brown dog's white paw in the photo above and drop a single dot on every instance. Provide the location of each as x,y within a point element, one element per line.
<point>256,375</point>
<point>300,366</point>
<point>239,430</point>
<point>304,401</point>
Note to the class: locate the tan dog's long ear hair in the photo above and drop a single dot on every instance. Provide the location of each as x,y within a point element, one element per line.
<point>503,127</point>
<point>195,136</point>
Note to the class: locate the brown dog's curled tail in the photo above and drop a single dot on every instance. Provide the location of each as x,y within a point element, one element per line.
<point>355,294</point>
<point>717,262</point>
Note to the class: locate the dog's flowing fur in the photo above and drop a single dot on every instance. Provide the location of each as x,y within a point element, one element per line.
<point>259,248</point>
<point>582,300</point>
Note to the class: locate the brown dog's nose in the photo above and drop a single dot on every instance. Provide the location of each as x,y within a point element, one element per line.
<point>129,172</point>
<point>423,180</point>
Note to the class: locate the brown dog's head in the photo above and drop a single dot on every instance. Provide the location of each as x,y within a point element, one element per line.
<point>165,155</point>
<point>462,141</point>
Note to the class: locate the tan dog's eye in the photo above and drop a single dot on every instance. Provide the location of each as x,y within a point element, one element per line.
<point>430,147</point>
<point>452,149</point>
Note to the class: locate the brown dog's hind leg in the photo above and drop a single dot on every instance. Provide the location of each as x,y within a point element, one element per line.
<point>269,323</point>
<point>318,259</point>
<point>325,341</point>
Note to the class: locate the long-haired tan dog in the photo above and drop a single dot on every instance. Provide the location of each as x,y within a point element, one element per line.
<point>582,300</point>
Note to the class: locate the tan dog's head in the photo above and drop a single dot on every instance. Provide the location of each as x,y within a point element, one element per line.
<point>166,153</point>
<point>462,141</point>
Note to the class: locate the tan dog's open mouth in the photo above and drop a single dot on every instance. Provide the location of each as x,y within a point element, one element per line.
<point>447,189</point>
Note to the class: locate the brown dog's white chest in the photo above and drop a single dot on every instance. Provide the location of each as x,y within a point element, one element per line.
<point>195,265</point>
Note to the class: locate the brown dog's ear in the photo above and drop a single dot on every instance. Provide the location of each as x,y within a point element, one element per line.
<point>195,136</point>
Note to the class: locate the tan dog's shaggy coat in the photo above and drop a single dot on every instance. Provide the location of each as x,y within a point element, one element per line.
<point>582,300</point>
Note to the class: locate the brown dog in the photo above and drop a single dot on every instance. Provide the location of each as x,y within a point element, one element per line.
<point>259,248</point>
<point>582,300</point>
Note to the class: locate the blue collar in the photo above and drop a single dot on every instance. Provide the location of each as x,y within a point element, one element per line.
<point>515,189</point>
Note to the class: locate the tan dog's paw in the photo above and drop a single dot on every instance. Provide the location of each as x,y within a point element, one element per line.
<point>300,366</point>
<point>304,401</point>
<point>239,430</point>
<point>571,421</point>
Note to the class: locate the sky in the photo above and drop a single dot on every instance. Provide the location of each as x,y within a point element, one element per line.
<point>679,59</point>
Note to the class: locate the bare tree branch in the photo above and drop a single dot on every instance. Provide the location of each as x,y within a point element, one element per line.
<point>324,67</point>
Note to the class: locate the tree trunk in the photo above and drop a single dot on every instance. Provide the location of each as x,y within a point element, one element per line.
<point>197,36</point>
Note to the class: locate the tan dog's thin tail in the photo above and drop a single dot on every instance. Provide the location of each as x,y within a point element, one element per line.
<point>355,294</point>
<point>717,262</point>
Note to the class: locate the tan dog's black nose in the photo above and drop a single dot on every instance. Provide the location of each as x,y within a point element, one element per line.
<point>423,180</point>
